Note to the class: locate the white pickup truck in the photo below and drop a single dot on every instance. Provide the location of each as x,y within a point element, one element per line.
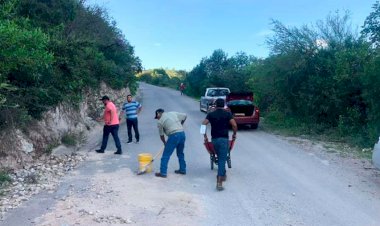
<point>211,95</point>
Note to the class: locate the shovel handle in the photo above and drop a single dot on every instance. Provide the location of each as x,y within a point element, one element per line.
<point>158,153</point>
<point>161,150</point>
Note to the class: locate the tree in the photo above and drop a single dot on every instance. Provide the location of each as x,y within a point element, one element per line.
<point>371,27</point>
<point>53,50</point>
<point>215,67</point>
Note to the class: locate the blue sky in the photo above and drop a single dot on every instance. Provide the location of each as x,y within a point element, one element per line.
<point>177,34</point>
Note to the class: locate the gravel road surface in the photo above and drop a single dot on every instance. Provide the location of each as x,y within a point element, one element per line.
<point>273,181</point>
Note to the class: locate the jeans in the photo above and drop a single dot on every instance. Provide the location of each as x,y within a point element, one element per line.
<point>175,141</point>
<point>221,149</point>
<point>133,123</point>
<point>113,129</point>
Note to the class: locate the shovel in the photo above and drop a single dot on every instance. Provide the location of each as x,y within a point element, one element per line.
<point>146,166</point>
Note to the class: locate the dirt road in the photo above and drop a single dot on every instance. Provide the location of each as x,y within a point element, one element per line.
<point>272,182</point>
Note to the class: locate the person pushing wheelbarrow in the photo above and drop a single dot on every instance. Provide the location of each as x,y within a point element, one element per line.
<point>220,120</point>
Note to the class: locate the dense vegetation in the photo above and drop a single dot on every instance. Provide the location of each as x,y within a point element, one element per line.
<point>53,50</point>
<point>163,77</point>
<point>320,79</point>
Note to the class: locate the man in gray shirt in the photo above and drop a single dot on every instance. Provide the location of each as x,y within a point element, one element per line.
<point>171,125</point>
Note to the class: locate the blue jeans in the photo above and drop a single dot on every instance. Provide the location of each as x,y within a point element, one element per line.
<point>133,123</point>
<point>106,132</point>
<point>221,149</point>
<point>175,141</point>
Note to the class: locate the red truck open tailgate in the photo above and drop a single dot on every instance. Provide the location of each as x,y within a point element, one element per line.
<point>239,96</point>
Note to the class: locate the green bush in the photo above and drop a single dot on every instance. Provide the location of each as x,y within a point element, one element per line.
<point>4,178</point>
<point>49,149</point>
<point>162,77</point>
<point>69,139</point>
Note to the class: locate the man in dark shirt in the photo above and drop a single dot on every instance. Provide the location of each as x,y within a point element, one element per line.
<point>220,120</point>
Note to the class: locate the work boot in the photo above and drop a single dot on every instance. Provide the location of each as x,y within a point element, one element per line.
<point>180,172</point>
<point>219,183</point>
<point>160,175</point>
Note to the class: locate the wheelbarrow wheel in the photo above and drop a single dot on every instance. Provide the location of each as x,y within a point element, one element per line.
<point>211,162</point>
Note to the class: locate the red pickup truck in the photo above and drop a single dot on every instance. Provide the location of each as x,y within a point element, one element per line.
<point>242,108</point>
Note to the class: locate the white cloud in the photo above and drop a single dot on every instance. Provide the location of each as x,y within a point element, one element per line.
<point>157,44</point>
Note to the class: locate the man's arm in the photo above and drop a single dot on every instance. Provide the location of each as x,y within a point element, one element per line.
<point>205,122</point>
<point>163,139</point>
<point>181,117</point>
<point>234,128</point>
<point>161,133</point>
<point>111,117</point>
<point>183,121</point>
<point>139,109</point>
<point>121,113</point>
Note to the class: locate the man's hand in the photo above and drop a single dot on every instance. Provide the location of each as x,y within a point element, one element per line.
<point>163,139</point>
<point>233,136</point>
<point>99,119</point>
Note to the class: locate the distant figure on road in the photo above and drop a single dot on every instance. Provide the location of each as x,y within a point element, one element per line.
<point>111,125</point>
<point>220,120</point>
<point>182,87</point>
<point>132,109</point>
<point>171,124</point>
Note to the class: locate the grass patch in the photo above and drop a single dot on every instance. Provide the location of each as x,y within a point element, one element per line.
<point>69,139</point>
<point>50,147</point>
<point>4,178</point>
<point>336,142</point>
<point>365,153</point>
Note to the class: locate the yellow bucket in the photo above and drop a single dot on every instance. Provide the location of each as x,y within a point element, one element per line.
<point>145,159</point>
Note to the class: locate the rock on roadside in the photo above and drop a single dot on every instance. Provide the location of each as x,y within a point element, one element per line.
<point>43,174</point>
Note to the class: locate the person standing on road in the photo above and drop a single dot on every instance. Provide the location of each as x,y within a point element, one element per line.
<point>132,109</point>
<point>220,121</point>
<point>182,87</point>
<point>111,125</point>
<point>171,125</point>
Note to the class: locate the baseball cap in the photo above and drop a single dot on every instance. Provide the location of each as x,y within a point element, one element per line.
<point>160,110</point>
<point>105,98</point>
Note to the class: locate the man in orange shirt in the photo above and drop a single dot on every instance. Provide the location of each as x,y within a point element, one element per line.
<point>111,125</point>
